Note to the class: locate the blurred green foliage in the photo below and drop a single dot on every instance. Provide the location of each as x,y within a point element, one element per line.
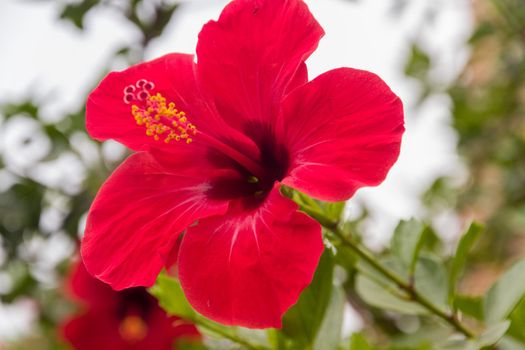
<point>489,115</point>
<point>26,198</point>
<point>488,108</point>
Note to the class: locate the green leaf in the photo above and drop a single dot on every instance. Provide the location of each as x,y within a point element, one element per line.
<point>430,279</point>
<point>329,335</point>
<point>421,339</point>
<point>488,338</point>
<point>385,295</point>
<point>77,11</point>
<point>471,306</point>
<point>517,318</point>
<point>460,258</point>
<point>346,258</point>
<point>171,297</point>
<point>277,339</point>
<point>302,321</point>
<point>330,210</point>
<point>303,200</point>
<point>505,294</point>
<point>482,31</point>
<point>27,108</point>
<point>457,344</point>
<point>333,211</point>
<point>509,343</point>
<point>418,63</point>
<point>493,334</point>
<point>185,344</point>
<point>406,242</point>
<point>359,342</point>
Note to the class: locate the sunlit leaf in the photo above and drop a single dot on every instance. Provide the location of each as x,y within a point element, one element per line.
<point>171,297</point>
<point>430,280</point>
<point>517,318</point>
<point>505,294</point>
<point>493,334</point>
<point>386,296</point>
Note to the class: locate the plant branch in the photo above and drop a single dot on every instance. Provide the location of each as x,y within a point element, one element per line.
<point>371,260</point>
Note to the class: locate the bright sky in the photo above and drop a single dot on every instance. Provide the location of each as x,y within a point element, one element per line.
<point>55,62</point>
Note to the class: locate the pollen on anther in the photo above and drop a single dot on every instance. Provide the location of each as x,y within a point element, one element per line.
<point>161,120</point>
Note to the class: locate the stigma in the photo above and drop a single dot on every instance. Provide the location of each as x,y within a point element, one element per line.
<point>162,120</point>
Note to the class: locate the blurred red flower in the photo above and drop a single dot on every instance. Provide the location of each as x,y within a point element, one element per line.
<point>126,320</point>
<point>214,141</point>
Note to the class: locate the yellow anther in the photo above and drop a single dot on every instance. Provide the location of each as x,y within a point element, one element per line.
<point>161,120</point>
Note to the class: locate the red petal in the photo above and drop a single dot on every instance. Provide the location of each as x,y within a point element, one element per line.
<point>299,79</point>
<point>95,329</point>
<point>138,214</point>
<point>172,256</point>
<point>248,269</point>
<point>248,57</point>
<point>85,287</point>
<point>109,117</point>
<point>343,131</point>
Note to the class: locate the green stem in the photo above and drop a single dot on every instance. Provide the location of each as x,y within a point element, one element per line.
<point>370,259</point>
<point>221,332</point>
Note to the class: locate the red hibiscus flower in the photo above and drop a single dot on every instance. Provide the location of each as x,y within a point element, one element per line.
<point>126,320</point>
<point>214,141</point>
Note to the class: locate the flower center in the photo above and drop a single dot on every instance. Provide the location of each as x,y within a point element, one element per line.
<point>134,313</point>
<point>133,329</point>
<point>160,119</point>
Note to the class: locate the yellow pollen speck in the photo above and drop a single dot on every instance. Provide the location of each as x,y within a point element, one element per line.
<point>163,121</point>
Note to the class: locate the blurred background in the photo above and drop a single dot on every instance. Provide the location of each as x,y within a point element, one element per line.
<point>458,65</point>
